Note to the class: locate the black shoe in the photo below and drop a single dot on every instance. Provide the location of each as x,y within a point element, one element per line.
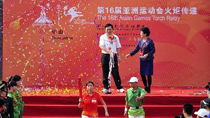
<point>108,92</point>
<point>148,90</point>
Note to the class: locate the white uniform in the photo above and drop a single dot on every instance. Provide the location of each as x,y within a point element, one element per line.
<point>109,44</point>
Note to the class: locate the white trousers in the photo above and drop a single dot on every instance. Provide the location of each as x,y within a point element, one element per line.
<point>135,116</point>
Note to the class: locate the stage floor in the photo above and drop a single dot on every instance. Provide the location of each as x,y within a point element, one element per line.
<point>155,91</point>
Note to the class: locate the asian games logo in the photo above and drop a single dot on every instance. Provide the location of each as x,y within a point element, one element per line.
<point>74,14</point>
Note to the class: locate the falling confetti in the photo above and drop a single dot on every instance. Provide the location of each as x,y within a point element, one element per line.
<point>52,43</point>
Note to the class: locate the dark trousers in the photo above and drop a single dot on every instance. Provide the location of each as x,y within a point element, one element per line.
<point>115,71</point>
<point>144,80</point>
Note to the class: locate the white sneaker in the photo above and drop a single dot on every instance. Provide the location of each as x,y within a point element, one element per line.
<point>106,90</point>
<point>121,90</point>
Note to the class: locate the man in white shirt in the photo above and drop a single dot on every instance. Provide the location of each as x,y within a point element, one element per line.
<point>110,46</point>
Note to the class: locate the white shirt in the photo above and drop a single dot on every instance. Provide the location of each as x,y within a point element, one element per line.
<point>110,44</point>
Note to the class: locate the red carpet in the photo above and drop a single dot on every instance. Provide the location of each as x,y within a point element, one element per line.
<point>161,103</point>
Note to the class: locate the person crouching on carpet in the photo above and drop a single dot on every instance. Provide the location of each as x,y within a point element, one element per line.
<point>89,102</point>
<point>134,99</point>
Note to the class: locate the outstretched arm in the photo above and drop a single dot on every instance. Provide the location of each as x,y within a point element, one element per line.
<point>140,98</point>
<point>136,50</point>
<point>105,108</point>
<point>133,52</point>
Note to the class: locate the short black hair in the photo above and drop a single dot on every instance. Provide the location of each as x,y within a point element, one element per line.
<point>145,30</point>
<point>11,84</point>
<point>108,24</point>
<point>15,78</point>
<point>208,85</point>
<point>89,82</point>
<point>188,108</point>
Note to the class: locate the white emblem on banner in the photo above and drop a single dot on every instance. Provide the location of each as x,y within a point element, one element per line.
<point>71,12</point>
<point>42,20</point>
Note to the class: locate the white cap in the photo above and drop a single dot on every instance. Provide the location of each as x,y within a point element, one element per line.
<point>133,79</point>
<point>202,113</point>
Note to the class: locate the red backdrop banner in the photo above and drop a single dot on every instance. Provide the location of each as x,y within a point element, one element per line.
<point>52,42</point>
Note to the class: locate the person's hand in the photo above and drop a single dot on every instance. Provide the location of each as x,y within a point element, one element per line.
<point>4,109</point>
<point>125,113</point>
<point>145,56</point>
<point>80,105</point>
<point>106,113</point>
<point>138,99</point>
<point>128,55</point>
<point>109,51</point>
<point>80,100</point>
